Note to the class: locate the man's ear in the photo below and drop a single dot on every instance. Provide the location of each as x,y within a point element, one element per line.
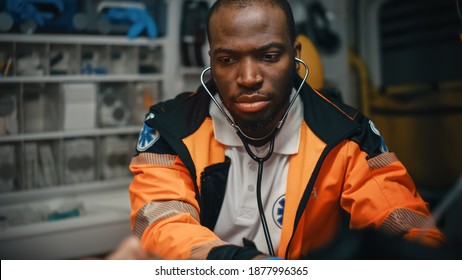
<point>297,49</point>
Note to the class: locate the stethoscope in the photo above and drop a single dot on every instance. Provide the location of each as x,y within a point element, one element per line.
<point>260,160</point>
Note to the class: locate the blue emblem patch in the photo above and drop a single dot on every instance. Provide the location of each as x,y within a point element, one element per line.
<point>148,136</point>
<point>278,210</point>
<point>383,146</point>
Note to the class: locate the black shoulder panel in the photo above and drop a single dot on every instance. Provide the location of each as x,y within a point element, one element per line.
<point>330,119</point>
<point>184,114</point>
<point>369,138</point>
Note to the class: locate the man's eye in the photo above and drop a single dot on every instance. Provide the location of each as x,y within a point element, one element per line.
<point>270,56</point>
<point>226,60</point>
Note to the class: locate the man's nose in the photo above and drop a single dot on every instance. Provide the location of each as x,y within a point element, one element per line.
<point>249,75</point>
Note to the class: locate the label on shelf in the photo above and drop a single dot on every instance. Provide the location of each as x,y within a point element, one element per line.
<point>79,105</point>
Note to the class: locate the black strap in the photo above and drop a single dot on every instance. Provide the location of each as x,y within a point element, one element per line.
<point>233,252</point>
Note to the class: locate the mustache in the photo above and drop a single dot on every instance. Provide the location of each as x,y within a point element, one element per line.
<point>251,92</point>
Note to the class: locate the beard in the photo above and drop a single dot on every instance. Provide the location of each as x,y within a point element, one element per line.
<point>260,124</point>
<point>257,125</point>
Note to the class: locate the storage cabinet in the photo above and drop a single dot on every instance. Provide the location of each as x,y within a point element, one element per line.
<point>58,116</point>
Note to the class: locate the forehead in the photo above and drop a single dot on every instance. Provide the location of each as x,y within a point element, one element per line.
<point>256,24</point>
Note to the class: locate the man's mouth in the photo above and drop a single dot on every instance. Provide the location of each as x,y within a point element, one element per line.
<point>251,103</point>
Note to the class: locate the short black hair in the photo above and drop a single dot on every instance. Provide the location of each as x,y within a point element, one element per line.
<point>240,4</point>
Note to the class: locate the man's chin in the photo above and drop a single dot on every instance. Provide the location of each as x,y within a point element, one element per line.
<point>256,127</point>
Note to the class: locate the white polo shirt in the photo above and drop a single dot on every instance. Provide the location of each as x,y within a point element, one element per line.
<point>239,217</point>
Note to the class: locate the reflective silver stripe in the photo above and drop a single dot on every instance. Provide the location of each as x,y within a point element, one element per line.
<point>155,211</point>
<point>381,160</point>
<point>200,252</point>
<point>156,159</point>
<point>402,220</point>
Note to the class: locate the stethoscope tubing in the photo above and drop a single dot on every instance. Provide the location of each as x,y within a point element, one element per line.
<point>260,160</point>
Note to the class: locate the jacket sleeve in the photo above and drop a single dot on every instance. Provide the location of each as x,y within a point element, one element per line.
<point>165,213</point>
<point>379,193</point>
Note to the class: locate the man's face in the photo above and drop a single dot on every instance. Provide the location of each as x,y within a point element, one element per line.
<point>252,60</point>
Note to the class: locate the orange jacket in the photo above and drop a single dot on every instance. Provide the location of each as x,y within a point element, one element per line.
<point>342,166</point>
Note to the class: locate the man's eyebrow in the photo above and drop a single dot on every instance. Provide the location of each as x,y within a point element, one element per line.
<point>223,50</point>
<point>271,45</point>
<point>263,48</point>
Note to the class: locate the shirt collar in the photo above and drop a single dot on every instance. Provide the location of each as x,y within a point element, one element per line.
<point>287,140</point>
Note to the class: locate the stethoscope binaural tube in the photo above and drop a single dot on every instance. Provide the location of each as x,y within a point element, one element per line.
<point>260,160</point>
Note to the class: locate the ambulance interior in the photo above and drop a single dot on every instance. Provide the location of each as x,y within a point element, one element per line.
<point>399,61</point>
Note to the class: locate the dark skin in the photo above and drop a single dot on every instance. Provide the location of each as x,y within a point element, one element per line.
<point>253,65</point>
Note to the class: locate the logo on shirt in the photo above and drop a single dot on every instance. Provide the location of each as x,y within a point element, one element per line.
<point>278,210</point>
<point>148,136</point>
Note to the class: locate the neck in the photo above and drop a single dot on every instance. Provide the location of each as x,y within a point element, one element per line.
<point>260,141</point>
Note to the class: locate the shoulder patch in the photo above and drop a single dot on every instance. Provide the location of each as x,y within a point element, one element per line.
<point>148,136</point>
